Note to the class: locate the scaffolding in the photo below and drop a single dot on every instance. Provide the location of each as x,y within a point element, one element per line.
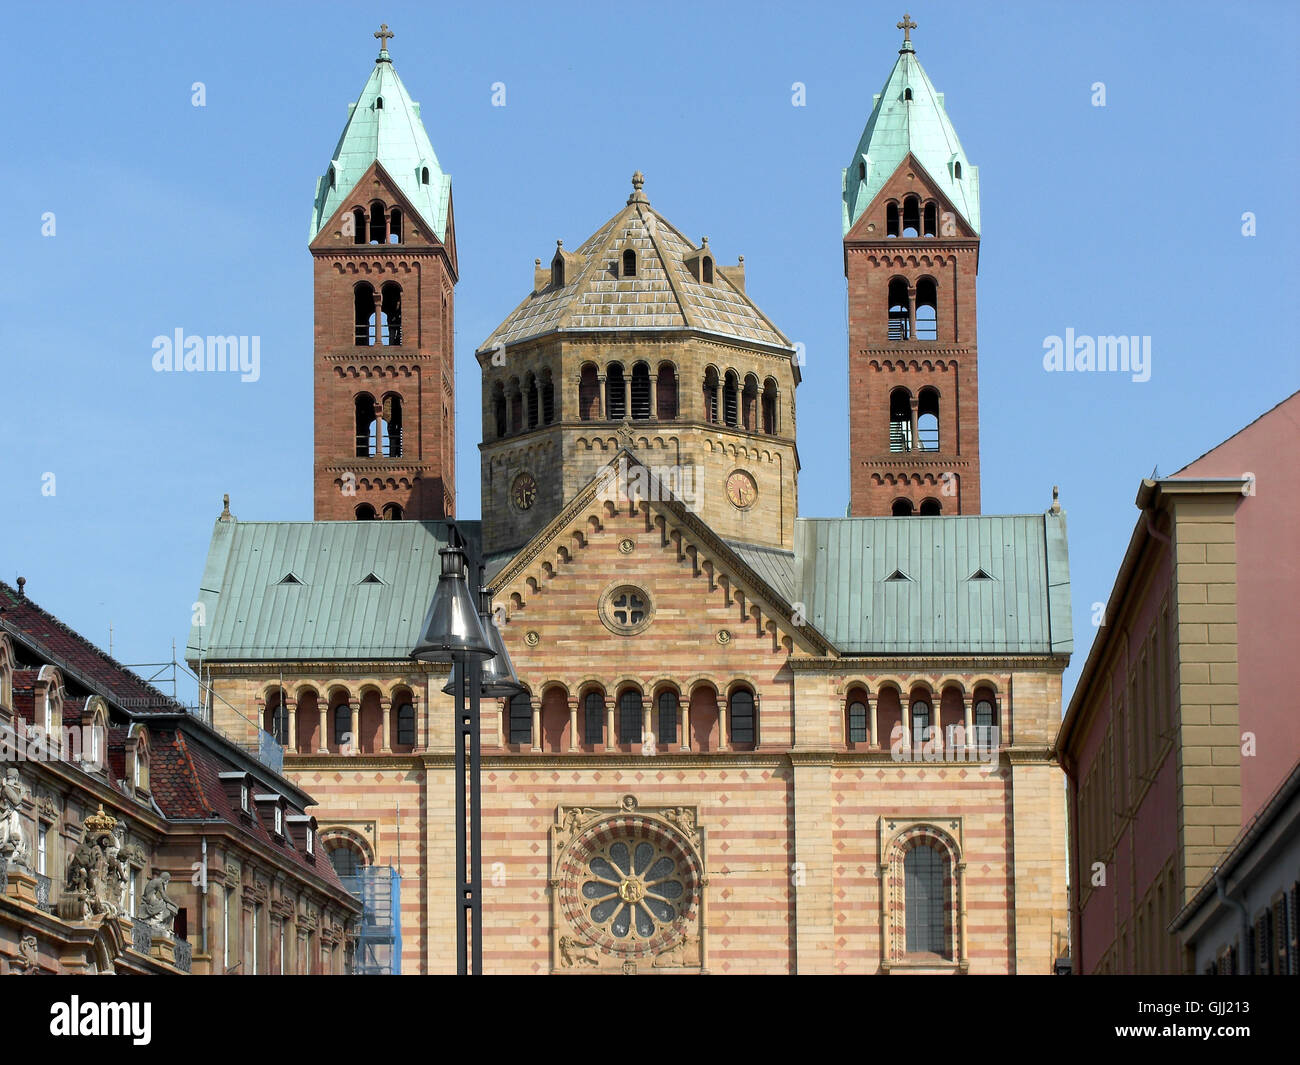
<point>379,942</point>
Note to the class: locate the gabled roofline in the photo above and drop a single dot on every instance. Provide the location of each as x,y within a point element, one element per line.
<point>716,546</point>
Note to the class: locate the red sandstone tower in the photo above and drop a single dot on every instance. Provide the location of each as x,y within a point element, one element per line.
<point>384,262</point>
<point>911,251</point>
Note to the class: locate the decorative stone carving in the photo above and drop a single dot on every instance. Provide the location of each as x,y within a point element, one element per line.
<point>628,888</point>
<point>156,909</point>
<point>28,961</point>
<point>14,849</point>
<point>97,877</point>
<point>46,809</point>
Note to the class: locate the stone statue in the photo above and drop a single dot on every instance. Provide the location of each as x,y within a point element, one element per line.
<point>95,882</point>
<point>118,880</point>
<point>573,954</point>
<point>13,846</point>
<point>155,907</point>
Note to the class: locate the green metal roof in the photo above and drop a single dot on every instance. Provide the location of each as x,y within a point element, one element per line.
<point>920,126</point>
<point>838,575</point>
<point>394,135</point>
<point>332,612</point>
<point>843,566</point>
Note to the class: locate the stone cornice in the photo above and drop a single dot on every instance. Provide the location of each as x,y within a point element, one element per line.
<point>333,667</point>
<point>881,663</point>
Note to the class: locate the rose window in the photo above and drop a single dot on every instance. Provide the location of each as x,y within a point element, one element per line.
<point>625,609</point>
<point>628,608</point>
<point>631,889</point>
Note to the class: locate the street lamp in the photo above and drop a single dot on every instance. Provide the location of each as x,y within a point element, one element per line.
<point>453,632</point>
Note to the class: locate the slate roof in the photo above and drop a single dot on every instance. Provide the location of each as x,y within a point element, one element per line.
<point>330,613</point>
<point>393,135</point>
<point>920,126</point>
<point>663,295</point>
<point>838,572</point>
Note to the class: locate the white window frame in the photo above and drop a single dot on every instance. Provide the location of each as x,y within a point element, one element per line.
<point>41,837</point>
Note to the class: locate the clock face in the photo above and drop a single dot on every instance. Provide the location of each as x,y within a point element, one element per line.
<point>523,493</point>
<point>741,490</point>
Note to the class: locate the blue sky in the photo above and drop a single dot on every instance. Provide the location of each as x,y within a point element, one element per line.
<point>1122,219</point>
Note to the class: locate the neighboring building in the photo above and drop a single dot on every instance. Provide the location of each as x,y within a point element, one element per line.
<point>134,838</point>
<point>1244,917</point>
<point>751,742</point>
<point>1176,735</point>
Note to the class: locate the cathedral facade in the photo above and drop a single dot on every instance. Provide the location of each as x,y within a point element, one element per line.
<point>750,741</point>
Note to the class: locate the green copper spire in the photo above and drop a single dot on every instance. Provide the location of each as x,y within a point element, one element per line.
<point>908,116</point>
<point>384,124</point>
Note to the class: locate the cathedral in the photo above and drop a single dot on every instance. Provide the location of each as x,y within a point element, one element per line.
<point>750,741</point>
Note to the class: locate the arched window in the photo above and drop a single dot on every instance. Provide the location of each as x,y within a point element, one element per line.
<point>862,170</point>
<point>706,269</point>
<point>588,393</point>
<point>332,177</point>
<point>391,295</point>
<point>641,392</point>
<point>406,725</point>
<point>378,223</point>
<point>629,263</point>
<point>711,395</point>
<point>548,398</point>
<point>499,409</point>
<point>593,718</point>
<point>900,420</point>
<point>985,720</point>
<point>615,393</point>
<point>900,327</point>
<point>931,227</point>
<point>927,309</point>
<point>902,508</point>
<point>367,428</point>
<point>534,401</point>
<point>557,271</point>
<point>392,512</point>
<point>365,512</point>
<point>516,407</point>
<point>342,724</point>
<point>424,175</point>
<point>749,403</point>
<point>907,94</point>
<point>921,721</point>
<point>859,732</point>
<point>769,406</point>
<point>395,226</point>
<point>741,717</point>
<point>521,718</point>
<point>931,508</point>
<point>730,399</point>
<point>666,398</point>
<point>927,419</point>
<point>363,302</point>
<point>358,225</point>
<point>925,876</point>
<point>629,716</point>
<point>393,425</point>
<point>277,718</point>
<point>379,103</point>
<point>891,219</point>
<point>956,170</point>
<point>911,216</point>
<point>668,714</point>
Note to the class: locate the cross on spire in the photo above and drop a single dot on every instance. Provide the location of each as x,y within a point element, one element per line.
<point>907,26</point>
<point>383,35</point>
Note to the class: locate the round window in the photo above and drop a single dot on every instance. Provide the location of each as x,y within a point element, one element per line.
<point>625,609</point>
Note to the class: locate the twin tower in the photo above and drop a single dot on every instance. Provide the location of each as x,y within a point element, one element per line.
<point>641,339</point>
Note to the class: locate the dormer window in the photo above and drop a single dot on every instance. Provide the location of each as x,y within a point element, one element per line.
<point>706,269</point>
<point>243,797</point>
<point>379,103</point>
<point>956,170</point>
<point>424,175</point>
<point>629,263</point>
<point>907,94</point>
<point>557,272</point>
<point>279,821</point>
<point>311,841</point>
<point>332,177</point>
<point>862,171</point>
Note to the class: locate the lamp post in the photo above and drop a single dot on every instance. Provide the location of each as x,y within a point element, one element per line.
<point>453,632</point>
